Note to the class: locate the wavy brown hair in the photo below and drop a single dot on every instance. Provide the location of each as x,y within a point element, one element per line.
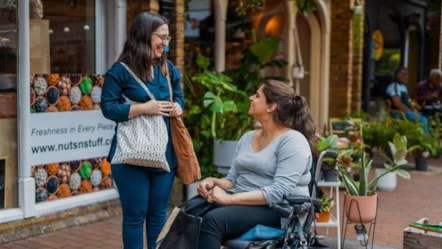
<point>292,110</point>
<point>137,51</point>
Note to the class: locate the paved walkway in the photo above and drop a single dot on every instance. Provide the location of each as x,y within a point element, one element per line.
<point>412,200</point>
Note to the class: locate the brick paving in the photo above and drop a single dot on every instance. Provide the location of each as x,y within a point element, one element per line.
<point>410,201</point>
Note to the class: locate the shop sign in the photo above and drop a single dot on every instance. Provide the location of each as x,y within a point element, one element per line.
<point>69,136</point>
<point>378,44</point>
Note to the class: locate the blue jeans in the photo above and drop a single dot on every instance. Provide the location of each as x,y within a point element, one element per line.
<point>144,197</point>
<point>418,116</point>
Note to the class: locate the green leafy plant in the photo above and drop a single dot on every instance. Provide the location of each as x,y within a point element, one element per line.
<point>366,187</point>
<point>329,143</point>
<point>397,156</point>
<point>227,104</point>
<point>435,122</point>
<point>327,202</point>
<point>376,134</point>
<point>306,6</point>
<point>246,6</point>
<point>217,102</point>
<point>257,56</point>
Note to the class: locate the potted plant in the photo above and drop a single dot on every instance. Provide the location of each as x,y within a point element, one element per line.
<point>326,206</point>
<point>330,166</point>
<point>396,156</point>
<point>360,199</point>
<point>427,146</point>
<point>224,116</point>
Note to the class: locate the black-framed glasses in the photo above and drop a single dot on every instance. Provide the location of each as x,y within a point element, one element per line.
<point>164,38</point>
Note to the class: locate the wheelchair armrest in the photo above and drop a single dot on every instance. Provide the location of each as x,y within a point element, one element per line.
<point>303,199</point>
<point>298,199</point>
<point>287,207</point>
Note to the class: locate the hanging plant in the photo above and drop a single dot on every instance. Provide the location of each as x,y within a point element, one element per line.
<point>244,6</point>
<point>306,6</point>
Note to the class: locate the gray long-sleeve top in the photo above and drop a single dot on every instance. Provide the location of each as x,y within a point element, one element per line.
<point>282,168</point>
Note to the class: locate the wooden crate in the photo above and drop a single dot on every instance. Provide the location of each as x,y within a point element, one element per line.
<point>423,239</point>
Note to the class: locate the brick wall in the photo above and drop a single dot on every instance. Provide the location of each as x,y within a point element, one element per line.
<point>341,57</point>
<point>357,63</point>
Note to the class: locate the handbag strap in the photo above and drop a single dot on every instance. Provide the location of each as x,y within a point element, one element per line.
<point>168,82</point>
<point>139,81</point>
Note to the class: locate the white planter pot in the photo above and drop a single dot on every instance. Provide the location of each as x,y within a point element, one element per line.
<point>223,153</point>
<point>388,182</point>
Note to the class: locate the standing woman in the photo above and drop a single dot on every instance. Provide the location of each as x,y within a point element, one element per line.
<point>144,192</point>
<point>269,164</point>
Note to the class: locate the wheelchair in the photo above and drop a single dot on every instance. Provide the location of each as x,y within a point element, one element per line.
<point>298,215</point>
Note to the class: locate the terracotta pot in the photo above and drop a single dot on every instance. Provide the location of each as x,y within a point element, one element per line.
<point>360,209</point>
<point>323,217</point>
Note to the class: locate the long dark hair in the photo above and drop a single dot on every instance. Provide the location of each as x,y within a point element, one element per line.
<point>291,110</point>
<point>137,51</point>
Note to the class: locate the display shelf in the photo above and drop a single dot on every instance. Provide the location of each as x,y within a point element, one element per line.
<point>333,222</point>
<point>334,218</point>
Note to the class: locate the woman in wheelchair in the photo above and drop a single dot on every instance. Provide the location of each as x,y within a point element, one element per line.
<point>269,164</point>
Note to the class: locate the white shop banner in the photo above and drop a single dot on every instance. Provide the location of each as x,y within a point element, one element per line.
<point>69,136</point>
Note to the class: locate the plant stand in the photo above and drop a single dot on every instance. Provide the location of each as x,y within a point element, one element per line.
<point>334,218</point>
<point>364,237</point>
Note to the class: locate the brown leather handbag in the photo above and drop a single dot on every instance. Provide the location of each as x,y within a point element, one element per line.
<point>188,170</point>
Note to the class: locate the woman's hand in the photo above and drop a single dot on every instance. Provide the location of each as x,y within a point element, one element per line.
<point>177,111</point>
<point>205,186</point>
<point>218,195</point>
<point>155,107</point>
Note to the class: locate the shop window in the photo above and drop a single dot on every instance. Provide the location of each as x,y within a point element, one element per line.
<point>71,34</point>
<point>8,44</point>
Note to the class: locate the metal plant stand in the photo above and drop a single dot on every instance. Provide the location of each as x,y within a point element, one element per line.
<point>364,235</point>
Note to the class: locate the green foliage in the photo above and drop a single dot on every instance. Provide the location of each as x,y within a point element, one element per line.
<point>227,105</point>
<point>217,103</point>
<point>376,134</point>
<point>390,60</point>
<point>246,6</point>
<point>257,57</point>
<point>398,151</point>
<point>327,202</point>
<point>306,6</point>
<point>397,155</point>
<point>328,143</point>
<point>436,130</point>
